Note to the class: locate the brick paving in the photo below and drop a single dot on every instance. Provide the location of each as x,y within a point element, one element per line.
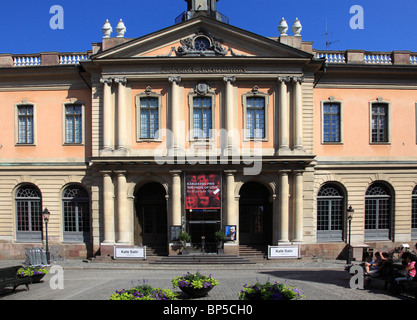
<point>326,280</point>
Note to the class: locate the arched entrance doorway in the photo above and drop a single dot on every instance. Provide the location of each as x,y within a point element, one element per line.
<point>151,226</point>
<point>255,215</point>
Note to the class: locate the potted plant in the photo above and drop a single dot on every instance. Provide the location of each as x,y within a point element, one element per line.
<point>35,272</point>
<point>184,237</point>
<point>144,292</point>
<point>268,291</point>
<point>220,238</point>
<point>194,284</point>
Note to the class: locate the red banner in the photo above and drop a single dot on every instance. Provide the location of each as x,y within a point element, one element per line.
<point>203,191</point>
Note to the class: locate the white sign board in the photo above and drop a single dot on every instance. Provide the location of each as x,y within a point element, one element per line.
<point>130,253</point>
<point>284,252</point>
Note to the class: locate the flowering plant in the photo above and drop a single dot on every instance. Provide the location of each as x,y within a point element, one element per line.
<point>268,291</point>
<point>30,271</point>
<point>144,292</point>
<point>196,281</point>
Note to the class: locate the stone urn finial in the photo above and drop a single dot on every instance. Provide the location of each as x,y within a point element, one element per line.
<point>107,29</point>
<point>297,27</point>
<point>121,29</point>
<point>283,27</point>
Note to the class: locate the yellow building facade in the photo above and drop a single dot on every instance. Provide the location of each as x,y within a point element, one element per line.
<point>204,127</point>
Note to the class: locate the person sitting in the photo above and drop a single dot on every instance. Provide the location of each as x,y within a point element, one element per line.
<point>373,268</point>
<point>407,274</point>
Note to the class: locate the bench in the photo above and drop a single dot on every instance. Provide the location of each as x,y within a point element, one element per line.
<point>9,278</point>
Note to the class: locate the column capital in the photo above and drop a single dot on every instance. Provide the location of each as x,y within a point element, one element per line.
<point>108,81</point>
<point>229,79</point>
<point>122,81</point>
<point>230,172</point>
<point>175,172</point>
<point>284,79</point>
<point>120,172</point>
<point>176,80</point>
<point>299,79</point>
<point>106,172</point>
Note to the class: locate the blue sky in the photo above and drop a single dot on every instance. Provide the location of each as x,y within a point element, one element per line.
<point>388,25</point>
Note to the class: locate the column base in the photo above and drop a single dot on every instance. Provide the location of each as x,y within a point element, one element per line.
<point>231,248</point>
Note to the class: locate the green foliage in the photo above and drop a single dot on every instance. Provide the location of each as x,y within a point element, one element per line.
<point>196,280</point>
<point>184,236</point>
<point>144,292</point>
<point>219,236</point>
<point>268,291</point>
<point>31,270</point>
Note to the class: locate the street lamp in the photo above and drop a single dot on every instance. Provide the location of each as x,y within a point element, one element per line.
<point>45,215</point>
<point>350,212</point>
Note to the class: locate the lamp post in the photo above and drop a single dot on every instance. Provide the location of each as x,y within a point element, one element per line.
<point>45,215</point>
<point>350,212</point>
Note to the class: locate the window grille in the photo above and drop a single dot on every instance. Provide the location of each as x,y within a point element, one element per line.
<point>202,114</point>
<point>29,213</point>
<point>149,117</point>
<point>377,212</point>
<point>330,209</point>
<point>331,122</point>
<point>73,124</point>
<point>25,124</point>
<point>379,122</point>
<point>76,206</point>
<point>255,118</point>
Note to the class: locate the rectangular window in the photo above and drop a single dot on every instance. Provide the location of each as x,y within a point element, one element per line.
<point>202,117</point>
<point>149,117</point>
<point>255,118</point>
<point>73,123</point>
<point>25,124</point>
<point>331,122</point>
<point>379,122</point>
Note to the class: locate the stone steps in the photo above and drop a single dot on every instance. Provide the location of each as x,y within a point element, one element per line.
<point>203,259</point>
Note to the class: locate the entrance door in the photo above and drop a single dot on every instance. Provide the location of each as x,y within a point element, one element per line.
<point>255,215</point>
<point>151,226</point>
<point>206,229</point>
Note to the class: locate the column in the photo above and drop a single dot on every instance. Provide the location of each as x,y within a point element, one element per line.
<point>176,198</point>
<point>175,110</point>
<point>229,105</point>
<point>122,139</point>
<point>283,114</point>
<point>298,207</point>
<point>283,219</point>
<point>108,207</point>
<point>122,212</point>
<point>108,142</point>
<point>298,112</point>
<point>231,216</point>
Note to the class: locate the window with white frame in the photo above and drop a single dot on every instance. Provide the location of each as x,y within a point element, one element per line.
<point>73,123</point>
<point>378,212</point>
<point>330,213</point>
<point>25,124</point>
<point>76,211</point>
<point>28,214</point>
<point>255,118</point>
<point>255,115</point>
<point>379,122</point>
<point>202,117</point>
<point>331,122</point>
<point>148,115</point>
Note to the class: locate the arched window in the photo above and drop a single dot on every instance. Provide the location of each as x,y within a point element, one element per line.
<point>28,214</point>
<point>330,213</point>
<point>76,206</point>
<point>378,212</point>
<point>414,214</point>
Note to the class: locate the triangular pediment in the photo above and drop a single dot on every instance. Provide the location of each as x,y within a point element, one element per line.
<point>201,37</point>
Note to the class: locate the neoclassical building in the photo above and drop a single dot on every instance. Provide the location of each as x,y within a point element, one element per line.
<point>203,126</point>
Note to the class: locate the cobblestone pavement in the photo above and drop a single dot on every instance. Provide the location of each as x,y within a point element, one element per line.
<point>325,280</point>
